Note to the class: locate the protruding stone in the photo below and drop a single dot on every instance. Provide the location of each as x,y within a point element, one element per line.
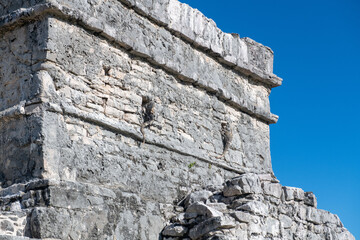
<point>175,230</point>
<point>255,207</point>
<point>180,218</point>
<point>310,199</point>
<point>200,208</point>
<point>209,225</point>
<point>272,189</point>
<point>232,190</point>
<point>242,216</point>
<point>246,183</point>
<point>190,215</point>
<point>266,177</point>
<point>329,218</point>
<point>198,196</point>
<point>221,207</point>
<point>292,193</point>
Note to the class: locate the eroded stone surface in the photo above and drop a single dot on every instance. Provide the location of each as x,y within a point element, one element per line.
<point>262,218</point>
<point>111,127</point>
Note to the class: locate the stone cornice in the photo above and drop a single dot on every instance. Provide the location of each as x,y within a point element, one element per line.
<point>89,19</point>
<point>13,111</point>
<point>243,54</point>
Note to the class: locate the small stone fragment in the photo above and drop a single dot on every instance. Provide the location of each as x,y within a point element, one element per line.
<point>221,207</point>
<point>174,230</point>
<point>200,208</point>
<point>209,225</point>
<point>255,207</point>
<point>190,215</point>
<point>232,190</point>
<point>246,183</point>
<point>242,216</point>
<point>199,196</point>
<point>180,218</point>
<point>310,199</point>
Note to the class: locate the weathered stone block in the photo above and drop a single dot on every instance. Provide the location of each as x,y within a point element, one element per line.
<point>285,221</point>
<point>255,207</point>
<point>199,208</point>
<point>272,189</point>
<point>292,193</point>
<point>209,225</point>
<point>174,230</point>
<point>247,183</point>
<point>199,196</point>
<point>310,199</point>
<point>243,216</point>
<point>272,227</point>
<point>312,215</point>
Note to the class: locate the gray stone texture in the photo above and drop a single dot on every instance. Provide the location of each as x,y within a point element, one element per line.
<point>261,219</point>
<point>81,159</point>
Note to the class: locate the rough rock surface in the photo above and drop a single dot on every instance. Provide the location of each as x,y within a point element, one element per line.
<point>255,213</point>
<point>124,119</point>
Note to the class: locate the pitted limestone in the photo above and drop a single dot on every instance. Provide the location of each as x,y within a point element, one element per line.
<point>258,221</point>
<point>113,113</point>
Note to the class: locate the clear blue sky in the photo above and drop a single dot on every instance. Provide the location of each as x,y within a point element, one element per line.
<point>316,143</point>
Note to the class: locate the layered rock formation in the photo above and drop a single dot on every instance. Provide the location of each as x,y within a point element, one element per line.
<point>113,111</point>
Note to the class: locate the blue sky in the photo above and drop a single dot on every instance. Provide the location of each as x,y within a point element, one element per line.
<point>316,143</point>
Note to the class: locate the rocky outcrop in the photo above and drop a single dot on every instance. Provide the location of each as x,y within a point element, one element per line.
<point>253,206</point>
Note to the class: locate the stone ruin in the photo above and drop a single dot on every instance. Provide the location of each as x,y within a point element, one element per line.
<point>139,119</point>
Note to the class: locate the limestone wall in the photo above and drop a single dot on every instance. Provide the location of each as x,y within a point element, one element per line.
<point>113,112</point>
<point>153,56</point>
<point>20,122</point>
<point>108,85</point>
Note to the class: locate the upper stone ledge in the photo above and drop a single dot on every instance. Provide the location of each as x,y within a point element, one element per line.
<point>125,32</point>
<point>243,54</point>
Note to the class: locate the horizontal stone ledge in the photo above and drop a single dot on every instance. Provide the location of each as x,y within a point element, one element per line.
<point>26,107</point>
<point>13,111</point>
<point>241,54</point>
<point>192,26</point>
<point>128,130</point>
<point>35,184</point>
<point>189,68</point>
<point>9,237</point>
<point>22,14</point>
